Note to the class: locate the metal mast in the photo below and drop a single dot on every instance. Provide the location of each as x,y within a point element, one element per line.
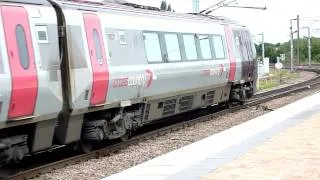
<point>196,6</point>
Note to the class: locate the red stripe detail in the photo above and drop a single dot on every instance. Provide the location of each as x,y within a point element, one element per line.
<point>232,57</point>
<point>150,77</point>
<point>24,82</point>
<point>100,72</point>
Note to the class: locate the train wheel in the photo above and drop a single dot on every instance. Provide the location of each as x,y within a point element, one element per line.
<point>85,146</point>
<point>242,103</point>
<point>19,153</point>
<point>230,104</point>
<point>126,136</point>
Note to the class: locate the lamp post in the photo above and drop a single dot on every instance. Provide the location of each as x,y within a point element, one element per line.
<point>291,45</point>
<point>262,36</point>
<point>309,45</point>
<point>263,55</point>
<point>195,6</point>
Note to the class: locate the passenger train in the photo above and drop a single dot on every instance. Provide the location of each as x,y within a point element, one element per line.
<point>80,72</point>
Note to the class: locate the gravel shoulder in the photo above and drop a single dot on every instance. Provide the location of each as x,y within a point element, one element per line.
<point>302,76</point>
<point>151,148</point>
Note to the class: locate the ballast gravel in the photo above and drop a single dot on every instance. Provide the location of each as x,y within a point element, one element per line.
<point>148,149</point>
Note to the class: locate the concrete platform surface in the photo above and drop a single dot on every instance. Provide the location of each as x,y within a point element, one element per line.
<point>268,147</point>
<point>293,154</point>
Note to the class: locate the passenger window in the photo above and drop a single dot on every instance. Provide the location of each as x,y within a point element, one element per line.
<point>173,49</point>
<point>205,47</point>
<point>97,45</point>
<point>152,45</point>
<point>218,47</point>
<point>190,47</point>
<point>22,47</point>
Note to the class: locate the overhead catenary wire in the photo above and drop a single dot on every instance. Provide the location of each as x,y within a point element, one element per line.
<point>225,3</point>
<point>219,5</point>
<point>211,6</point>
<point>248,7</point>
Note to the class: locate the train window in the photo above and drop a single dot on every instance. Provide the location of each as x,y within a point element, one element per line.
<point>248,44</point>
<point>97,45</point>
<point>236,47</point>
<point>152,45</point>
<point>22,47</point>
<point>173,49</point>
<point>244,46</point>
<point>205,47</point>
<point>254,51</point>
<point>218,47</point>
<point>240,45</point>
<point>42,33</point>
<point>190,47</point>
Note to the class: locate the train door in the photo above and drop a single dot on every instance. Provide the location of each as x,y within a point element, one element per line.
<point>21,60</point>
<point>98,59</point>
<point>232,58</point>
<point>240,44</point>
<point>248,45</point>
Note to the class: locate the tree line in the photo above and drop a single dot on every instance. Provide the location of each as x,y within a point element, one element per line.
<point>166,7</point>
<point>274,50</point>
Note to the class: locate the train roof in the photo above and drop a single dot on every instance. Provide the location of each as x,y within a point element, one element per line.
<point>123,6</point>
<point>142,10</point>
<point>35,2</point>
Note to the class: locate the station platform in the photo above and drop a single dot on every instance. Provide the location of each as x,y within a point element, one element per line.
<point>282,144</point>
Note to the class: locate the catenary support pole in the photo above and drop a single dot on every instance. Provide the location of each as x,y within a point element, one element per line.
<point>196,6</point>
<point>298,39</point>
<point>262,47</point>
<point>309,47</point>
<point>291,45</point>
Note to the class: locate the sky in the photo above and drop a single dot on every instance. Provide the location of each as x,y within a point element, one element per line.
<point>273,22</point>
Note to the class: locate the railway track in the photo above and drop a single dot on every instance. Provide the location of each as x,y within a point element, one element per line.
<point>256,100</point>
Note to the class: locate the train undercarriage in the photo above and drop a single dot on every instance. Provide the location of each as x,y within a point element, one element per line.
<point>119,123</point>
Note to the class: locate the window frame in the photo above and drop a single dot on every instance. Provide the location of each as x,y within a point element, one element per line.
<point>223,46</point>
<point>237,33</point>
<point>181,43</point>
<point>166,59</point>
<point>159,34</point>
<point>124,34</point>
<point>24,66</point>
<point>44,28</point>
<point>245,44</point>
<point>98,50</point>
<point>184,49</point>
<point>210,47</point>
<point>248,44</point>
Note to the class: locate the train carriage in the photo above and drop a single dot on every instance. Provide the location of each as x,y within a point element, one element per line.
<point>78,72</point>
